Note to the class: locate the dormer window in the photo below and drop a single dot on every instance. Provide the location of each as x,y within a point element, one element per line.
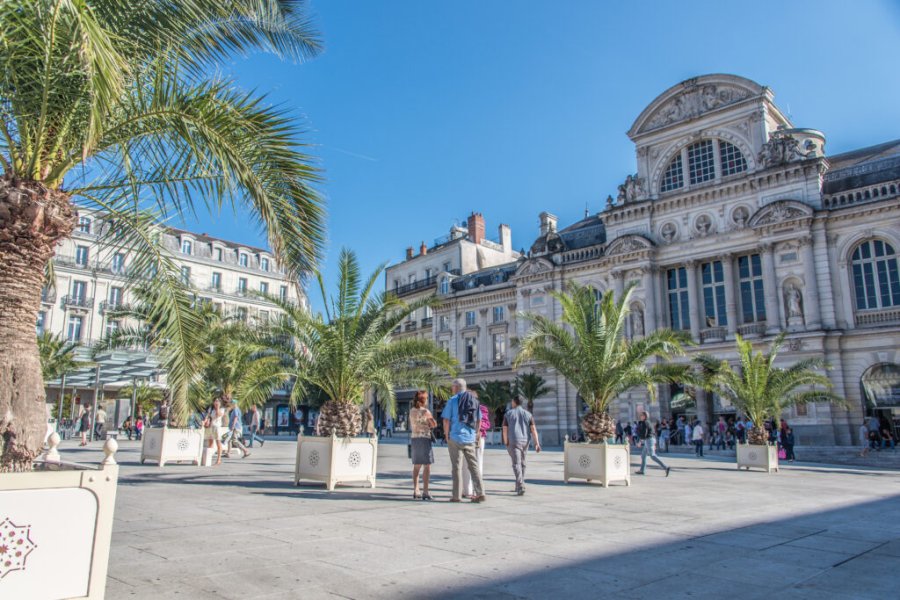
<point>84,224</point>
<point>706,160</point>
<point>264,263</point>
<point>186,246</point>
<point>242,259</point>
<point>218,254</point>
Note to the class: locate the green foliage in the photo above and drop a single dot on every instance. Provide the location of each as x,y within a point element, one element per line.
<point>494,394</point>
<point>58,356</point>
<point>147,396</point>
<point>531,386</point>
<point>761,390</point>
<point>590,349</point>
<point>349,351</point>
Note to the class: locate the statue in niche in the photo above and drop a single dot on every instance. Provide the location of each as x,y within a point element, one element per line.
<point>794,301</point>
<point>637,323</point>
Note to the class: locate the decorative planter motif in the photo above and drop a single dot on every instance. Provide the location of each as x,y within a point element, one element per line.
<point>601,462</point>
<point>164,444</point>
<point>55,528</point>
<point>753,455</point>
<point>334,460</point>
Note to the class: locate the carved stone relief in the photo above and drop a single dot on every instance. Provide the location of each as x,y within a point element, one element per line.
<point>695,101</point>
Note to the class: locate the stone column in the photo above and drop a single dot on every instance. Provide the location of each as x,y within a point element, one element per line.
<point>693,301</point>
<point>770,285</point>
<point>730,301</point>
<point>618,284</point>
<point>649,299</point>
<point>811,310</point>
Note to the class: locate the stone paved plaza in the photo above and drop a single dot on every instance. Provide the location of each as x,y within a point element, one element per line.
<point>242,530</point>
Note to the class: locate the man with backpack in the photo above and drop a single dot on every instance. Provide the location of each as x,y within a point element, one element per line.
<point>462,429</point>
<point>647,442</point>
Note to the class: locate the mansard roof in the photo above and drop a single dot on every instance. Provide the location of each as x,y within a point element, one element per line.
<point>862,167</point>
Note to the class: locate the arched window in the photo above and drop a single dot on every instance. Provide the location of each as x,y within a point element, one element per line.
<point>706,160</point>
<point>876,281</point>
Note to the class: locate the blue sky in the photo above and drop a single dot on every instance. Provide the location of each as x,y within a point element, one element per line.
<point>421,112</point>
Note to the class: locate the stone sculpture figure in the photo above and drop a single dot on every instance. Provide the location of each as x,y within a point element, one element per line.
<point>638,322</point>
<point>794,301</point>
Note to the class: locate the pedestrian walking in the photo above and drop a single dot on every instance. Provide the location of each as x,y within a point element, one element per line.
<point>235,427</point>
<point>467,486</point>
<point>128,427</point>
<point>139,428</point>
<point>253,427</point>
<point>620,432</point>
<point>787,440</point>
<point>664,436</point>
<point>100,424</point>
<point>863,440</point>
<point>647,444</point>
<point>697,437</point>
<point>215,425</point>
<point>389,426</point>
<point>369,418</point>
<point>85,425</point>
<point>422,423</point>
<point>518,425</point>
<point>462,428</point>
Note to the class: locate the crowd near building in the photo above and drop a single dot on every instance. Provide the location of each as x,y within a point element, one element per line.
<point>90,285</point>
<point>735,222</point>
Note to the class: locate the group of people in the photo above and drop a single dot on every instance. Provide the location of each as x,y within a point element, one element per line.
<point>464,424</point>
<point>223,426</point>
<point>87,429</point>
<point>875,434</point>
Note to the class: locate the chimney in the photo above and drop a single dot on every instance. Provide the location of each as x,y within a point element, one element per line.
<point>506,238</point>
<point>476,227</point>
<point>409,253</point>
<point>548,223</point>
<point>423,249</point>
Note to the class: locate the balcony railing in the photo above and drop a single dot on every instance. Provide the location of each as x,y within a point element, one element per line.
<point>410,326</point>
<point>499,362</point>
<point>415,286</point>
<point>427,321</point>
<point>107,306</point>
<point>78,301</point>
<point>877,317</point>
<point>751,329</point>
<point>71,261</point>
<point>713,334</point>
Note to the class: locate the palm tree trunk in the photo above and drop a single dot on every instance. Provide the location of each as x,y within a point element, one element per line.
<point>32,220</point>
<point>340,417</point>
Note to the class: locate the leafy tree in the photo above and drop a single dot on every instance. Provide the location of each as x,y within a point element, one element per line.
<point>495,395</point>
<point>761,390</point>
<point>112,104</point>
<point>58,356</point>
<point>531,386</point>
<point>146,399</point>
<point>348,352</point>
<point>590,349</point>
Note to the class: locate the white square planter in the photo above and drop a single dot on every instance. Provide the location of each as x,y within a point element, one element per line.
<point>164,444</point>
<point>753,455</point>
<point>597,462</point>
<point>334,460</point>
<point>56,527</point>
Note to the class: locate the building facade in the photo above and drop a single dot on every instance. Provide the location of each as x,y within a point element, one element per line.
<point>735,222</point>
<point>90,282</point>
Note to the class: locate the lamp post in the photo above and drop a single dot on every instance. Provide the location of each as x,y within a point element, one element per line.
<point>62,394</point>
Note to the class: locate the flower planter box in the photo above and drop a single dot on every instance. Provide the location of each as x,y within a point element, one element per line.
<point>164,444</point>
<point>753,455</point>
<point>597,462</point>
<point>334,460</point>
<point>56,526</point>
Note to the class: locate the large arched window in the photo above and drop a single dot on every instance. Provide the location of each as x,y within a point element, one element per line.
<point>705,160</point>
<point>876,281</point>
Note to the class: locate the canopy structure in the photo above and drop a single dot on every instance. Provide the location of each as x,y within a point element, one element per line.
<point>111,369</point>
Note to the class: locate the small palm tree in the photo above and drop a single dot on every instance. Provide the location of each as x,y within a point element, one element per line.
<point>531,386</point>
<point>145,396</point>
<point>348,352</point>
<point>495,395</point>
<point>58,356</point>
<point>761,390</point>
<point>111,105</point>
<point>590,349</point>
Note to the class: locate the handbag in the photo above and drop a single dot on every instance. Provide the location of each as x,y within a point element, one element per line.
<point>782,454</point>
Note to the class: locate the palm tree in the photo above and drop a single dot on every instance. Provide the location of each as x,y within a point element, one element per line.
<point>145,396</point>
<point>531,386</point>
<point>58,356</point>
<point>495,395</point>
<point>110,105</point>
<point>348,352</point>
<point>590,349</point>
<point>761,390</point>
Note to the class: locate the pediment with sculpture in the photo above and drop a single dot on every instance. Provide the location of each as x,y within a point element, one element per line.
<point>780,211</point>
<point>534,266</point>
<point>628,244</point>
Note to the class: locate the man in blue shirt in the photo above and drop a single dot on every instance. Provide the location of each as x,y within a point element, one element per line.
<point>461,439</point>
<point>235,426</point>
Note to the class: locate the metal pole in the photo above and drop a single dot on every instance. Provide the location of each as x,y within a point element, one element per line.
<point>96,395</point>
<point>62,394</point>
<point>74,394</point>
<point>133,398</point>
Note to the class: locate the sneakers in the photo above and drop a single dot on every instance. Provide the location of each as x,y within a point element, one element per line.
<point>667,471</point>
<point>478,499</point>
<point>520,491</point>
<point>638,472</point>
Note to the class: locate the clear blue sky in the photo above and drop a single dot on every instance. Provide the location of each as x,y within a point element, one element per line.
<point>423,111</point>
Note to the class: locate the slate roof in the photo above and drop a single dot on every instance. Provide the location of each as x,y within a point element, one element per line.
<point>863,167</point>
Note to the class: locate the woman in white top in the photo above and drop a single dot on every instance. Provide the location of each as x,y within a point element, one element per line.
<point>215,424</point>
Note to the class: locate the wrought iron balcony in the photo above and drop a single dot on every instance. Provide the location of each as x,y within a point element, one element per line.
<point>78,301</point>
<point>107,306</point>
<point>410,326</point>
<point>427,321</point>
<point>415,286</point>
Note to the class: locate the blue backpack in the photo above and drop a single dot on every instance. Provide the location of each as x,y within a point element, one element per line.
<point>469,411</point>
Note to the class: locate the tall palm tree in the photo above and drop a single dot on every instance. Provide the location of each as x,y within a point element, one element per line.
<point>761,390</point>
<point>590,349</point>
<point>110,105</point>
<point>531,386</point>
<point>495,395</point>
<point>348,352</point>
